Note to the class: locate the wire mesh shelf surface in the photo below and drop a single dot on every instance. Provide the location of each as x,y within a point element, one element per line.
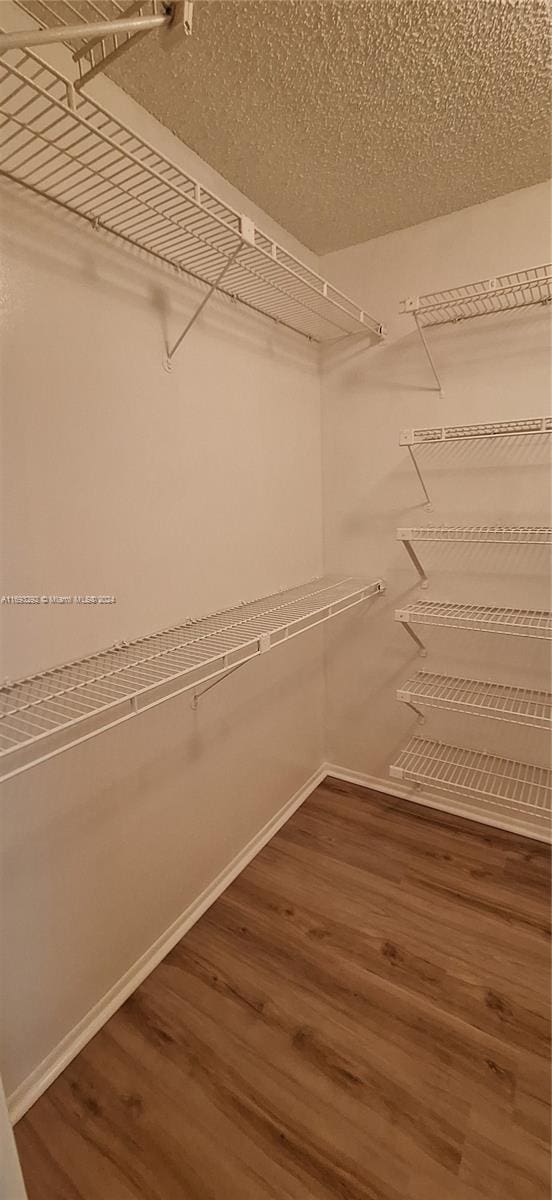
<point>67,147</point>
<point>516,786</point>
<point>453,433</point>
<point>505,702</point>
<point>525,535</point>
<point>85,697</point>
<point>482,618</point>
<point>516,290</point>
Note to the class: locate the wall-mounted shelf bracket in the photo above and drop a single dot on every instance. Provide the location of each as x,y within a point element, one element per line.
<point>214,287</point>
<point>199,692</point>
<point>419,713</point>
<point>411,305</point>
<point>264,643</point>
<point>420,478</point>
<point>408,627</point>
<point>413,557</point>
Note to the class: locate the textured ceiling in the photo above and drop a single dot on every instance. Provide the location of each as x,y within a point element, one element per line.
<point>345,120</point>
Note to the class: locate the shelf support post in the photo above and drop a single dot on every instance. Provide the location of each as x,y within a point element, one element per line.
<point>425,345</point>
<point>407,626</point>
<point>420,477</point>
<point>206,298</point>
<point>414,558</point>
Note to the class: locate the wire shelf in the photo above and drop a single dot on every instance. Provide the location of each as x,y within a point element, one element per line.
<point>68,148</point>
<point>535,535</point>
<point>47,713</point>
<point>481,618</point>
<point>520,788</point>
<point>480,698</point>
<point>454,433</point>
<point>519,289</point>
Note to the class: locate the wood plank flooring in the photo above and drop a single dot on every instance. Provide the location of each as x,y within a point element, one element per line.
<point>363,1015</point>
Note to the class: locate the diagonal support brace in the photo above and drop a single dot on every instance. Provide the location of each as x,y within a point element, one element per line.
<point>201,692</point>
<point>420,715</point>
<point>407,626</point>
<point>264,643</point>
<point>420,476</point>
<point>415,560</point>
<point>229,262</point>
<point>429,355</point>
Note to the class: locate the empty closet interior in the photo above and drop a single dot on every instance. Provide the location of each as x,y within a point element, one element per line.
<point>276,471</point>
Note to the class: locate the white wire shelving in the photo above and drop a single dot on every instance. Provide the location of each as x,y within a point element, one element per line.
<point>68,148</point>
<point>46,714</point>
<point>479,618</point>
<point>441,434</point>
<point>516,535</point>
<point>478,697</point>
<point>518,289</point>
<point>511,535</point>
<point>488,429</point>
<point>521,790</point>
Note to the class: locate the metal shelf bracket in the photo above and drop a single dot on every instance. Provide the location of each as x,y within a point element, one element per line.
<point>264,644</point>
<point>214,286</point>
<point>416,562</point>
<point>411,304</point>
<point>421,647</point>
<point>199,692</point>
<point>429,357</point>
<point>420,479</point>
<point>419,714</point>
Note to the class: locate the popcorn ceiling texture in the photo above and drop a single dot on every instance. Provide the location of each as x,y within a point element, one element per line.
<point>344,121</point>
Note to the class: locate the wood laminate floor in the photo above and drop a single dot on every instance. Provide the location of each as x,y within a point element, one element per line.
<point>363,1015</point>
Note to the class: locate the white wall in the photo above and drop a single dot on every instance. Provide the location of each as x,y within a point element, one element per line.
<point>179,494</point>
<point>493,369</point>
<point>176,493</point>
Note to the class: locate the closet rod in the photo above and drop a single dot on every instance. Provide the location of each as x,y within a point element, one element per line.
<point>25,38</point>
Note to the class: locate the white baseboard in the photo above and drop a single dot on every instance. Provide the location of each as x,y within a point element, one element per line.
<point>444,804</point>
<point>40,1079</point>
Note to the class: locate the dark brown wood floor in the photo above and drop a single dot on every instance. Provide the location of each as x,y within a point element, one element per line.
<point>362,1015</point>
